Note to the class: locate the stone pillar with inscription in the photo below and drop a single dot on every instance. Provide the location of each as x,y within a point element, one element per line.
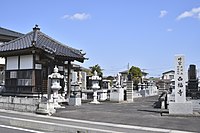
<point>129,91</point>
<point>180,91</point>
<point>180,106</point>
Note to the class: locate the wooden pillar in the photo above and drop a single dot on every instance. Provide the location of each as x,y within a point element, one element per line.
<point>49,71</point>
<point>69,66</point>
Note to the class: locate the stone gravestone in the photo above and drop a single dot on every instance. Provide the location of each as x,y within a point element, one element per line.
<point>180,106</point>
<point>192,82</point>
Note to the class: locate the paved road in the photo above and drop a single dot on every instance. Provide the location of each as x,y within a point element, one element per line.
<point>139,113</point>
<point>11,129</point>
<point>65,125</point>
<point>137,117</point>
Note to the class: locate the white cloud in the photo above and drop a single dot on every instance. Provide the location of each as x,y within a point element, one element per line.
<point>77,16</point>
<point>169,30</point>
<point>194,13</point>
<point>65,16</point>
<point>163,13</point>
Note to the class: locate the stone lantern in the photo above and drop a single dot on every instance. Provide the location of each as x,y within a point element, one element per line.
<point>55,85</point>
<point>95,86</point>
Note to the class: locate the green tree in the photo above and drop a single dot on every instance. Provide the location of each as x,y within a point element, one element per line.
<point>136,74</point>
<point>88,72</point>
<point>98,69</point>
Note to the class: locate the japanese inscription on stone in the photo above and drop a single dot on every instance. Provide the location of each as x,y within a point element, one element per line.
<point>179,79</point>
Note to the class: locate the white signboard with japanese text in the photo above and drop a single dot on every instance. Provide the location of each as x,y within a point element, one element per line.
<point>180,91</point>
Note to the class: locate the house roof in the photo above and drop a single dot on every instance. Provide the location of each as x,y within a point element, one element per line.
<point>6,32</point>
<point>124,72</point>
<point>38,40</point>
<point>171,71</point>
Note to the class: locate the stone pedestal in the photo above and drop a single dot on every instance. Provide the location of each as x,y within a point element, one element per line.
<point>74,101</point>
<point>46,108</point>
<point>95,101</point>
<point>117,95</point>
<point>102,94</point>
<point>55,99</point>
<point>129,91</point>
<point>180,108</point>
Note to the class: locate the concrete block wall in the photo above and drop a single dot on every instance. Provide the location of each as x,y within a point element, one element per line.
<point>19,104</point>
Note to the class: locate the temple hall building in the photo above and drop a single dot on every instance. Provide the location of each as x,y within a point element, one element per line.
<point>6,35</point>
<point>30,58</point>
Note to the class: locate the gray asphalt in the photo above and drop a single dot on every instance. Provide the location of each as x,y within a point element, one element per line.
<point>58,125</point>
<point>139,113</point>
<point>7,130</point>
<point>11,129</point>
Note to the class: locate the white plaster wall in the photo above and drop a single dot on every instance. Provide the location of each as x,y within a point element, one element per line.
<point>26,62</point>
<point>2,60</point>
<point>12,63</point>
<point>167,76</point>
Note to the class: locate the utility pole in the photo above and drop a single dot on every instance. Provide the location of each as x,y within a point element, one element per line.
<point>128,67</point>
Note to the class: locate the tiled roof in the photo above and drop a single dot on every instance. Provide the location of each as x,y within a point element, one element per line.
<point>170,71</point>
<point>7,32</point>
<point>39,40</point>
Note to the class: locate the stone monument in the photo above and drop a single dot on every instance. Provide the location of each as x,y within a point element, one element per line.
<point>117,93</point>
<point>180,106</point>
<point>95,86</point>
<point>75,98</point>
<point>129,90</point>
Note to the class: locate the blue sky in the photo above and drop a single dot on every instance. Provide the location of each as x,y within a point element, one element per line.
<point>113,33</point>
